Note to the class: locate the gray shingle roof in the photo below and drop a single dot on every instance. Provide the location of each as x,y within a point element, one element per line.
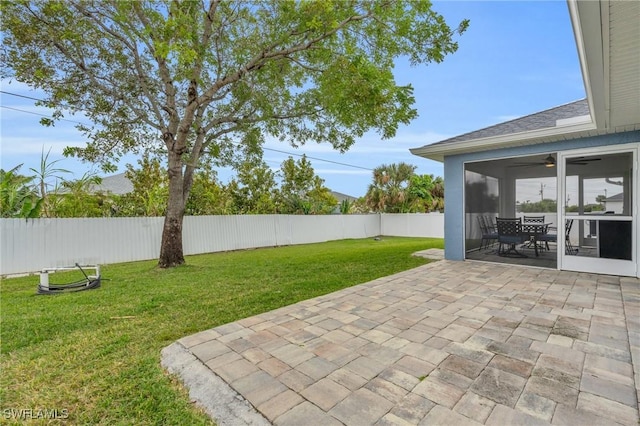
<point>119,185</point>
<point>617,197</point>
<point>115,184</point>
<point>340,196</point>
<point>539,120</point>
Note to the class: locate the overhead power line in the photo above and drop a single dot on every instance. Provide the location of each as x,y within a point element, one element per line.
<point>21,96</point>
<point>265,149</point>
<point>318,159</point>
<point>37,113</point>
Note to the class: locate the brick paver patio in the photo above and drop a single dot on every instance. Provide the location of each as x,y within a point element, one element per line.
<point>463,343</point>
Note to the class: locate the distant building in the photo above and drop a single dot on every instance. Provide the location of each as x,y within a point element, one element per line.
<point>115,184</point>
<point>341,197</point>
<point>615,203</point>
<point>120,185</point>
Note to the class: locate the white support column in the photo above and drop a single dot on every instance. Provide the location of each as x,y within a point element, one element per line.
<point>507,187</point>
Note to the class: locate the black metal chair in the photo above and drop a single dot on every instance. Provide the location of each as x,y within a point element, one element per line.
<point>491,224</point>
<point>489,234</point>
<point>548,237</point>
<point>568,247</point>
<point>534,219</point>
<point>510,234</point>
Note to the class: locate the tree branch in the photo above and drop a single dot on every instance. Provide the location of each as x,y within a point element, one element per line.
<point>163,70</point>
<point>260,60</point>
<point>133,49</point>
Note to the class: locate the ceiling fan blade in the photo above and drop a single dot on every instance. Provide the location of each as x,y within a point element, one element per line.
<point>525,164</point>
<point>582,160</point>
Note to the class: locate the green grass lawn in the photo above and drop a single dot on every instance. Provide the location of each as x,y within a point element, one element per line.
<point>96,354</point>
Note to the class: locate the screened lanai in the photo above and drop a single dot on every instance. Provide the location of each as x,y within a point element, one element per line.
<point>595,199</point>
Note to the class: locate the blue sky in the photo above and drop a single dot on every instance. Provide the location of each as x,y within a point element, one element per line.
<point>515,59</point>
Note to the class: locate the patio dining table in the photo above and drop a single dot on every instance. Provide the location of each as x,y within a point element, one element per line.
<point>533,230</point>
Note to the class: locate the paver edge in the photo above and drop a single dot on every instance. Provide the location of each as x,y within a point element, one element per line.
<point>209,391</point>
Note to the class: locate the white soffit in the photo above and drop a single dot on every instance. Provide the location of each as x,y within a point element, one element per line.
<point>624,63</point>
<point>608,40</point>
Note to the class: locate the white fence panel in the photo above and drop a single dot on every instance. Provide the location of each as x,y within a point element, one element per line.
<point>284,232</point>
<point>34,244</point>
<point>360,226</point>
<point>315,229</point>
<point>124,239</point>
<point>206,234</point>
<point>17,252</point>
<point>256,231</point>
<point>413,225</point>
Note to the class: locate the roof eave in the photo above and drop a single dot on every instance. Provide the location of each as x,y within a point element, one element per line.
<point>437,152</point>
<point>587,19</point>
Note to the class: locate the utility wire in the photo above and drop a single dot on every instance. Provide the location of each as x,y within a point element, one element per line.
<point>318,159</point>
<point>37,113</point>
<point>265,149</point>
<point>20,96</point>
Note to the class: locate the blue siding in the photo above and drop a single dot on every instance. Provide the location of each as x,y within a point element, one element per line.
<point>454,208</point>
<point>454,179</point>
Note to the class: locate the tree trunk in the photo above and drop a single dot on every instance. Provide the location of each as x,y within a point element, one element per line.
<point>171,253</point>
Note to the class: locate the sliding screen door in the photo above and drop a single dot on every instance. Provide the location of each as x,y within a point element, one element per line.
<point>600,211</point>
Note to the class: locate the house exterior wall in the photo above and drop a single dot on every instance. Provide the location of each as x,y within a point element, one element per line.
<point>614,206</point>
<point>454,219</point>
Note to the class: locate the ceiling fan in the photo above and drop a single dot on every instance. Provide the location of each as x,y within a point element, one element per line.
<point>550,161</point>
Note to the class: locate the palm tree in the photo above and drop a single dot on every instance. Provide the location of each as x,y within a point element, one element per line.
<point>388,193</point>
<point>437,194</point>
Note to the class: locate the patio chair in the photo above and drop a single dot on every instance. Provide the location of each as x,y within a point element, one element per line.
<point>510,234</point>
<point>489,234</point>
<point>491,224</point>
<point>534,219</point>
<point>568,247</point>
<point>548,237</point>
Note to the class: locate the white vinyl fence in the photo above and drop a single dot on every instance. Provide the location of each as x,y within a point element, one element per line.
<point>29,245</point>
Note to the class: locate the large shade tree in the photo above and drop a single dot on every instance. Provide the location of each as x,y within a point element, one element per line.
<point>191,78</point>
